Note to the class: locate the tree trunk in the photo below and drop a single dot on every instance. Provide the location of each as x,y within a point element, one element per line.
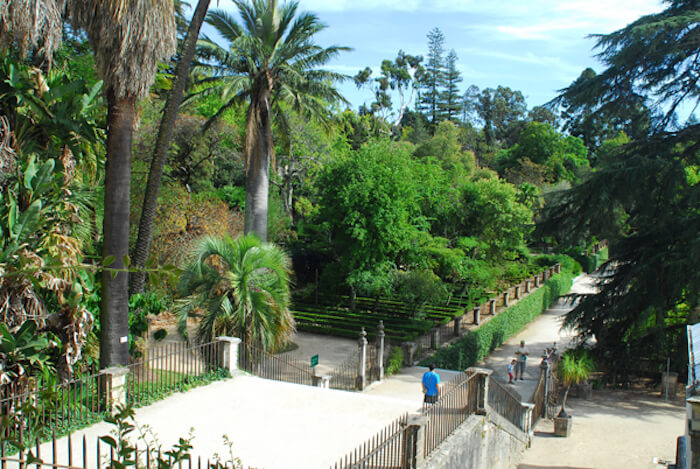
<point>114,309</point>
<point>258,155</point>
<point>160,151</point>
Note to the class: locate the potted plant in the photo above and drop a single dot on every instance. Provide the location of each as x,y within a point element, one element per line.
<point>573,368</point>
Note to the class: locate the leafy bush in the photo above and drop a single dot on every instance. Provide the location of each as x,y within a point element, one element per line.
<point>141,306</point>
<point>395,361</point>
<point>568,263</point>
<point>478,343</point>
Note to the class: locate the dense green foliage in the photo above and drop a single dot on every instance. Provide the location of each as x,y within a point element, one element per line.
<point>643,195</point>
<point>475,345</point>
<point>414,207</point>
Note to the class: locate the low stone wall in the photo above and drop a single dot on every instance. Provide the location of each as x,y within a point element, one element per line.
<point>483,441</point>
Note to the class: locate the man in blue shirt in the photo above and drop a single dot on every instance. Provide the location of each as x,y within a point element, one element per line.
<point>431,385</point>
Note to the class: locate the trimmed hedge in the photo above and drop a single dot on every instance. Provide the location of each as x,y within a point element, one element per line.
<point>592,262</point>
<point>475,345</point>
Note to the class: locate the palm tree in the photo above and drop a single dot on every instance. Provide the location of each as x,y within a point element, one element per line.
<point>574,368</point>
<point>242,286</point>
<point>160,151</point>
<point>129,38</point>
<point>271,57</point>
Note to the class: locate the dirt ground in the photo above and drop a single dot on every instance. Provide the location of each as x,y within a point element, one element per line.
<point>613,430</point>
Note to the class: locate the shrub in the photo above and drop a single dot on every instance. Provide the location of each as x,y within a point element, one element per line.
<point>395,361</point>
<point>478,343</point>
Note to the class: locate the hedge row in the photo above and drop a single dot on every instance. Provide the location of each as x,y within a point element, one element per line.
<point>592,262</point>
<point>477,344</point>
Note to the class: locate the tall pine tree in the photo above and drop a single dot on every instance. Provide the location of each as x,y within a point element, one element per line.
<point>451,103</point>
<point>644,196</point>
<point>433,78</point>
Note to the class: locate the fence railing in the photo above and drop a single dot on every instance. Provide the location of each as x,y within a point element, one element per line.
<point>538,397</point>
<point>59,407</point>
<point>344,376</point>
<point>81,454</point>
<point>507,404</point>
<point>426,344</point>
<point>457,402</point>
<point>386,449</point>
<point>171,367</point>
<point>256,361</point>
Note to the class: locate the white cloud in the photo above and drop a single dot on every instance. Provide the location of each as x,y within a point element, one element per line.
<point>543,30</point>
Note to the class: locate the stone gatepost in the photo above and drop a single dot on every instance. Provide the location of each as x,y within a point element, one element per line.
<point>409,352</point>
<point>435,339</point>
<point>458,326</point>
<point>526,425</point>
<point>362,366</point>
<point>113,387</point>
<point>517,292</point>
<point>321,381</point>
<point>492,307</point>
<point>482,388</point>
<point>505,299</point>
<point>414,441</point>
<point>380,339</point>
<point>229,352</point>
<point>477,315</point>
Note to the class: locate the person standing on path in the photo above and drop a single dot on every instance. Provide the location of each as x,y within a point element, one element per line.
<point>431,385</point>
<point>522,352</point>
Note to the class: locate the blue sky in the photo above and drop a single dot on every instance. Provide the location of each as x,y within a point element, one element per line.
<point>535,46</point>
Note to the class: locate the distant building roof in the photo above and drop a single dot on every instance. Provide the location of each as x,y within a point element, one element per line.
<point>693,356</point>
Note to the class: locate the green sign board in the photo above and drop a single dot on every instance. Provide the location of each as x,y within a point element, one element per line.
<point>314,361</point>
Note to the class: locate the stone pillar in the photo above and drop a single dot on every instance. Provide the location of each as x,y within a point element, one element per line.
<point>527,286</point>
<point>492,307</point>
<point>229,352</point>
<point>544,374</point>
<point>409,351</point>
<point>362,366</point>
<point>537,281</point>
<point>505,299</point>
<point>414,441</point>
<point>517,292</point>
<point>482,388</point>
<point>557,268</point>
<point>458,326</point>
<point>693,411</point>
<point>526,424</point>
<point>380,339</point>
<point>435,338</point>
<point>544,276</point>
<point>477,315</point>
<point>113,387</point>
<point>321,381</point>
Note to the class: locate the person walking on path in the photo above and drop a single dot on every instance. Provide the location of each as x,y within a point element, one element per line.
<point>522,352</point>
<point>431,385</point>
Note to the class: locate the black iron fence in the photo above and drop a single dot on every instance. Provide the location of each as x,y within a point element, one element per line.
<point>171,367</point>
<point>258,362</point>
<point>507,404</point>
<point>43,404</point>
<point>65,453</point>
<point>458,400</point>
<point>387,449</point>
<point>344,376</point>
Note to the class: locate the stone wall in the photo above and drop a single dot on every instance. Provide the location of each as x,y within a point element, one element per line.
<point>483,441</point>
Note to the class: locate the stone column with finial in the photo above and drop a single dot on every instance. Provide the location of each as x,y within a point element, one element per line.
<point>380,340</point>
<point>362,366</point>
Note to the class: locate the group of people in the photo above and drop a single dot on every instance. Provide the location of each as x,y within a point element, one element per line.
<point>516,367</point>
<point>516,370</point>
